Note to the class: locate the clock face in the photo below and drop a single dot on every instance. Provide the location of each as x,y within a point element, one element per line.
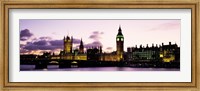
<point>122,39</point>
<point>117,39</point>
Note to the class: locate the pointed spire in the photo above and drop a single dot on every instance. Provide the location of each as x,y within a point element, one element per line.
<point>120,30</point>
<point>81,42</point>
<point>67,38</point>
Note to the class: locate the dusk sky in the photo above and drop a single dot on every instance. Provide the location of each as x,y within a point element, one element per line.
<point>38,36</point>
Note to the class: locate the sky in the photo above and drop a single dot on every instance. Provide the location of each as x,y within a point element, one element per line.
<point>38,36</point>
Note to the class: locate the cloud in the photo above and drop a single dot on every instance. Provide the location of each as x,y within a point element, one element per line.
<point>96,35</point>
<point>32,46</point>
<point>22,51</point>
<point>40,43</point>
<point>167,26</point>
<point>56,42</point>
<point>23,38</point>
<point>45,38</point>
<point>54,33</point>
<point>93,44</point>
<point>44,44</point>
<point>97,32</point>
<point>76,41</point>
<point>109,48</point>
<point>25,34</point>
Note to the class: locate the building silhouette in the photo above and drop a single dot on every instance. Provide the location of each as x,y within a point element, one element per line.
<point>94,53</point>
<point>143,53</point>
<point>163,53</point>
<point>81,47</point>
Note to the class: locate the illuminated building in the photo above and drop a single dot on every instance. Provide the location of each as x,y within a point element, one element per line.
<point>118,55</point>
<point>170,52</point>
<point>56,57</point>
<point>109,57</point>
<point>96,54</point>
<point>79,54</point>
<point>164,53</point>
<point>120,45</point>
<point>143,53</point>
<point>68,43</point>
<point>69,54</point>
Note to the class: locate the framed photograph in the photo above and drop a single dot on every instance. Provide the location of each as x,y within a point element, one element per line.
<point>100,45</point>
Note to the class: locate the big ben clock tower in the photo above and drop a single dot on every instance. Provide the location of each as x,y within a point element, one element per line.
<point>120,44</point>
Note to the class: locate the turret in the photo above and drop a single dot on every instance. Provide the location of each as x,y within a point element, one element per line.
<point>81,47</point>
<point>68,44</point>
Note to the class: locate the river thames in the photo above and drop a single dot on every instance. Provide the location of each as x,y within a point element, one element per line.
<point>56,68</point>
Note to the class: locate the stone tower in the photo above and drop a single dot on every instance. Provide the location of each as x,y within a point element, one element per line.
<point>120,44</point>
<point>68,43</point>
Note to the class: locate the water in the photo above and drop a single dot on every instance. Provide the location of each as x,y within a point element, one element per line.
<point>56,68</point>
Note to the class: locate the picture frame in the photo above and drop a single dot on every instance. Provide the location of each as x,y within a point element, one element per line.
<point>157,86</point>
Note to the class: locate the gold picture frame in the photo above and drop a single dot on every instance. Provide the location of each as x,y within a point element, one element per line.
<point>157,86</point>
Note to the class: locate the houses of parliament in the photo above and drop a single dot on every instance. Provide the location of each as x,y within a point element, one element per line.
<point>94,53</point>
<point>165,53</point>
<point>162,53</point>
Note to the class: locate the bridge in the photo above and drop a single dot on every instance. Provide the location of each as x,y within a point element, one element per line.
<point>43,63</point>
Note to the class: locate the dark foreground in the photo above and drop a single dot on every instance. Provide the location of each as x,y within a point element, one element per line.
<point>80,64</point>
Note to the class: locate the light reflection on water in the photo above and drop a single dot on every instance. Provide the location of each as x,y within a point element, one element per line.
<point>56,68</point>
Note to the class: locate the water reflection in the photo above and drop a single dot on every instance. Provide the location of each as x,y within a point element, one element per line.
<point>56,68</point>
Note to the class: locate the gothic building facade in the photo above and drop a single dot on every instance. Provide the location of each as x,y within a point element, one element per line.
<point>68,44</point>
<point>69,54</point>
<point>164,53</point>
<point>94,53</point>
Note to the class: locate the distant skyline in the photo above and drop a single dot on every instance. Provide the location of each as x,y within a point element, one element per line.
<point>37,36</point>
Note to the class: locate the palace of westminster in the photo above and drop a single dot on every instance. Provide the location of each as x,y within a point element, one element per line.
<point>166,53</point>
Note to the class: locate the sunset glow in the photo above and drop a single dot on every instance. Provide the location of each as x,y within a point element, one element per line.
<point>38,36</point>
